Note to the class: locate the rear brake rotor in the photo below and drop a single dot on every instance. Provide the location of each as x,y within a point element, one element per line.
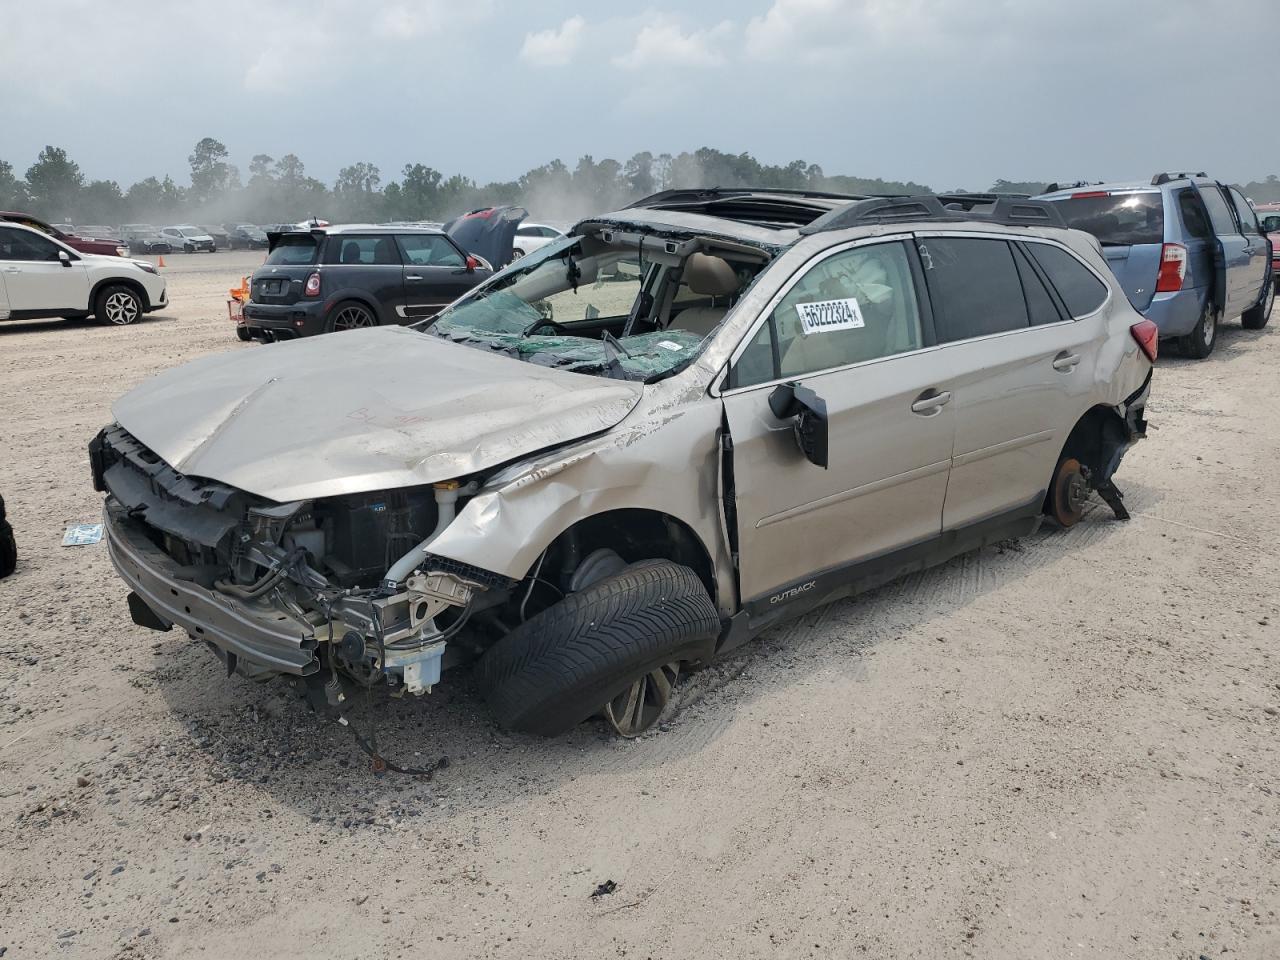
<point>1070,492</point>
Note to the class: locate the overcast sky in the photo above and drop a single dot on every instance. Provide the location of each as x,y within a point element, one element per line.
<point>945,92</point>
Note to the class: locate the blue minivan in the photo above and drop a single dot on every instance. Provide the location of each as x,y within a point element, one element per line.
<point>1187,250</point>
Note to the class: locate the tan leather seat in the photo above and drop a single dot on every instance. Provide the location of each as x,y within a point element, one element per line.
<point>706,276</point>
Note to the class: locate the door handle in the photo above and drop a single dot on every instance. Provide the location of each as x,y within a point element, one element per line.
<point>12,270</point>
<point>1066,362</point>
<point>930,402</point>
<point>412,276</point>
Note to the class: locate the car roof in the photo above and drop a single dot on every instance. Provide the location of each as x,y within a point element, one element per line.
<point>22,226</point>
<point>362,229</point>
<point>9,214</point>
<point>775,218</point>
<point>1157,183</point>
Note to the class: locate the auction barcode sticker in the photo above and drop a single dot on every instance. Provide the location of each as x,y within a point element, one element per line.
<point>829,315</point>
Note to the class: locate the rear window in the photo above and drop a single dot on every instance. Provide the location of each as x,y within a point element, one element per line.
<point>1080,290</point>
<point>362,251</point>
<point>1117,219</point>
<point>974,287</point>
<point>293,251</point>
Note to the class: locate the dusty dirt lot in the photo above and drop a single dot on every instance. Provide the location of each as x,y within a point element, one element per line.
<point>1063,748</point>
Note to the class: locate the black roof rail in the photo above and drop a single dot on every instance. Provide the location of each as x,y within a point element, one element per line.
<point>704,194</point>
<point>1056,186</point>
<point>1160,178</point>
<point>992,208</point>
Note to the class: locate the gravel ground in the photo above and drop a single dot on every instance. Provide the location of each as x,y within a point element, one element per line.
<point>1064,747</point>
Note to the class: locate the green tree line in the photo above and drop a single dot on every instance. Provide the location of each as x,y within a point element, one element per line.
<point>280,189</point>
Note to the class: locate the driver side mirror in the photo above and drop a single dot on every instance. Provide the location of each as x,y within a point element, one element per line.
<point>64,258</point>
<point>791,400</point>
<point>472,264</point>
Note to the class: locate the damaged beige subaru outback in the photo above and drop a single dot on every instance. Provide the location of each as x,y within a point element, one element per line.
<point>632,450</point>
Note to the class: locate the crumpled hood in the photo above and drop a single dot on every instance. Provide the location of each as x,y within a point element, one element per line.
<point>362,410</point>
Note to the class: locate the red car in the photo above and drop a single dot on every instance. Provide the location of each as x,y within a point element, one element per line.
<point>1269,217</point>
<point>110,248</point>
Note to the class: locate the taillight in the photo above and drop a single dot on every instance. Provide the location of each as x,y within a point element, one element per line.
<point>1090,195</point>
<point>1148,336</point>
<point>1173,268</point>
<point>312,289</point>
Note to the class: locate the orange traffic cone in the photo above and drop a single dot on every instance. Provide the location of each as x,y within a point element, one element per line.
<point>160,262</point>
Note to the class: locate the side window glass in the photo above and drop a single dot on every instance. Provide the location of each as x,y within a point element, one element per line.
<point>1080,290</point>
<point>759,362</point>
<point>1248,219</point>
<point>853,306</point>
<point>421,250</point>
<point>363,251</point>
<point>1220,215</point>
<point>1040,305</point>
<point>973,286</point>
<point>1194,219</point>
<point>20,245</point>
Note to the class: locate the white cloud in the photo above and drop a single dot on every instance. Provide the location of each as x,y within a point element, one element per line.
<point>664,42</point>
<point>819,27</point>
<point>554,48</point>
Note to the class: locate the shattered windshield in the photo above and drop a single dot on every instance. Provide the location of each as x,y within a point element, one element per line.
<point>620,310</point>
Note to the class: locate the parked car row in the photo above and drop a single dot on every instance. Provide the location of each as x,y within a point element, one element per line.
<point>627,452</point>
<point>1189,251</point>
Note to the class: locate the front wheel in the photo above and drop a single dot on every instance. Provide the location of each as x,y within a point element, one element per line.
<point>118,305</point>
<point>349,315</point>
<point>8,545</point>
<point>213,249</point>
<point>614,647</point>
<point>1256,317</point>
<point>1199,343</point>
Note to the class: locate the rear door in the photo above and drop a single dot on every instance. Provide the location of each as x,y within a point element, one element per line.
<point>35,279</point>
<point>1253,278</point>
<point>369,264</point>
<point>850,329</point>
<point>1231,254</point>
<point>435,274</point>
<point>1019,368</point>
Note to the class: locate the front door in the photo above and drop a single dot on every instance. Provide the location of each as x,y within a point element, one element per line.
<point>35,279</point>
<point>1254,276</point>
<point>850,330</point>
<point>1231,258</point>
<point>435,274</point>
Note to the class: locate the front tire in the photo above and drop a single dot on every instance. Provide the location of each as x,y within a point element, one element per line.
<point>8,545</point>
<point>1199,343</point>
<point>1256,317</point>
<point>118,305</point>
<point>613,647</point>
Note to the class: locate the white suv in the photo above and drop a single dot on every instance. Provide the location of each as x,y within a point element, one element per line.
<point>40,277</point>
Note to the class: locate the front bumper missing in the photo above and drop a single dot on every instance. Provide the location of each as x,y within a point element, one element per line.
<point>265,638</point>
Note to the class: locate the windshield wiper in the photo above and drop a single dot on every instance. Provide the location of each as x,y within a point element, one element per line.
<point>613,353</point>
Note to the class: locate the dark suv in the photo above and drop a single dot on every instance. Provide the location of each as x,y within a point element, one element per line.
<point>345,277</point>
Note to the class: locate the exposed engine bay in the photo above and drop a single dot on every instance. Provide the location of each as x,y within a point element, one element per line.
<point>340,570</point>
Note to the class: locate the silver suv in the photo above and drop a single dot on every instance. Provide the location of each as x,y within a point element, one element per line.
<point>632,450</point>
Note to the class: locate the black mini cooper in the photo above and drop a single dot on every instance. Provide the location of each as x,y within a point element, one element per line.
<point>344,277</point>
